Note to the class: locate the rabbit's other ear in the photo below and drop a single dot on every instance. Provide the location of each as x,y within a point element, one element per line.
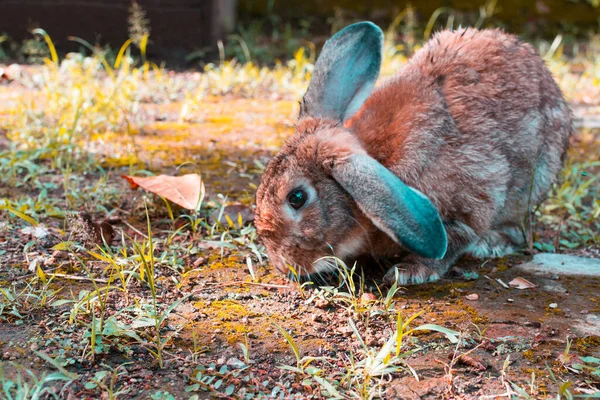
<point>345,73</point>
<point>403,213</point>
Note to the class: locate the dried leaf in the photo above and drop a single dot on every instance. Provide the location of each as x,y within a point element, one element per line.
<point>471,362</point>
<point>521,283</point>
<point>186,191</point>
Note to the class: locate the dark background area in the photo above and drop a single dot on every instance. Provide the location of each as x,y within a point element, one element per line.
<point>273,27</point>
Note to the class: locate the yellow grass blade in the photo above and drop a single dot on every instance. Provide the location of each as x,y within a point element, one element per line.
<point>121,53</point>
<point>49,43</point>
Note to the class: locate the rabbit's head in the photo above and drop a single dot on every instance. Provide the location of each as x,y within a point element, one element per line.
<point>323,195</point>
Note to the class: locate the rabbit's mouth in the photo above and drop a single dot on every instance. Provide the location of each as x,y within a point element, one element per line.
<point>301,263</point>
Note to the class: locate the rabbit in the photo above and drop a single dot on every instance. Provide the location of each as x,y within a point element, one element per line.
<point>444,159</point>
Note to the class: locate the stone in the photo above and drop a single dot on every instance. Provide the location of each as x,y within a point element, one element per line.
<point>235,363</point>
<point>590,326</point>
<point>562,264</point>
<point>472,297</point>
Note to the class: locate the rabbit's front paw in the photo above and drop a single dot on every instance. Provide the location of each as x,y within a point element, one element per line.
<point>415,273</point>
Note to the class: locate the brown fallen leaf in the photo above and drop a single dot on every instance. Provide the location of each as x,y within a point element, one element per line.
<point>186,191</point>
<point>521,283</point>
<point>233,211</point>
<point>470,362</point>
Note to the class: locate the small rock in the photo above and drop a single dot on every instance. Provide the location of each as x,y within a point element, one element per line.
<point>552,305</point>
<point>367,297</point>
<point>199,261</point>
<point>344,330</point>
<point>472,297</point>
<point>236,363</point>
<point>321,303</point>
<point>316,318</point>
<point>371,340</point>
<point>562,264</point>
<point>510,300</point>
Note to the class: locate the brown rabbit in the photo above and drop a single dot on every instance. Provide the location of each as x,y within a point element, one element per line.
<point>443,159</point>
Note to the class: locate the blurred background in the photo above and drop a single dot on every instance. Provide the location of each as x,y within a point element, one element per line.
<point>184,32</point>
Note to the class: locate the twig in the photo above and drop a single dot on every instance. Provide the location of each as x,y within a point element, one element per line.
<point>498,280</point>
<point>502,283</point>
<point>135,230</point>
<point>18,278</point>
<point>557,239</point>
<point>242,283</point>
<point>79,278</point>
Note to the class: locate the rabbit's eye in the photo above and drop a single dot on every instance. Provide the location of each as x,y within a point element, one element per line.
<point>297,198</point>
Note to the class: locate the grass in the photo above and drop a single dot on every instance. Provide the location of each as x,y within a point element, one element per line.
<point>85,119</point>
<point>26,385</point>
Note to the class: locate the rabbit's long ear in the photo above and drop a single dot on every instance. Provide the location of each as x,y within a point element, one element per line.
<point>403,213</point>
<point>345,73</point>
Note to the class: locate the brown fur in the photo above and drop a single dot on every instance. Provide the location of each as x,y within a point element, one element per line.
<point>466,122</point>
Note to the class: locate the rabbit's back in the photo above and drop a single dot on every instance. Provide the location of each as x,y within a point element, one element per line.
<point>467,121</point>
<point>495,86</point>
<point>499,91</point>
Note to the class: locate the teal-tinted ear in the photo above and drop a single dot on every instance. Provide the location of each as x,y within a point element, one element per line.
<point>345,73</point>
<point>403,213</point>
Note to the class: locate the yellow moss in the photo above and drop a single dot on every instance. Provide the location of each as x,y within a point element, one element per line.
<point>555,310</point>
<point>476,318</point>
<point>528,354</point>
<point>439,289</point>
<point>215,261</point>
<point>501,264</point>
<point>587,345</point>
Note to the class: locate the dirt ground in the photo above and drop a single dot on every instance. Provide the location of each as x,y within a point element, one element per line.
<point>513,342</point>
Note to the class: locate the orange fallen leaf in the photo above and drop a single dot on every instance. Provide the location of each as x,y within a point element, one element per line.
<point>186,191</point>
<point>521,283</point>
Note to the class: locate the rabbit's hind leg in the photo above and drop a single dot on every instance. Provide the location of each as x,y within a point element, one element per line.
<point>497,243</point>
<point>416,270</point>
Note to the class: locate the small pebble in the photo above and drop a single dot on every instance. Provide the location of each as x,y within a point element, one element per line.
<point>366,297</point>
<point>552,305</point>
<point>321,303</point>
<point>472,297</point>
<point>316,318</point>
<point>235,363</point>
<point>510,300</point>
